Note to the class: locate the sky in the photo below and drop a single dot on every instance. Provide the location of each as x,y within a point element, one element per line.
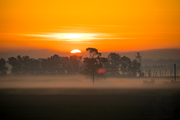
<point>108,25</point>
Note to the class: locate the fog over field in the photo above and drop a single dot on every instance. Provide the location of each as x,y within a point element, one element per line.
<point>80,84</point>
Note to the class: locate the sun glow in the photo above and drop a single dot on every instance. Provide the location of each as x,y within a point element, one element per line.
<point>69,36</point>
<point>75,51</point>
<point>74,36</point>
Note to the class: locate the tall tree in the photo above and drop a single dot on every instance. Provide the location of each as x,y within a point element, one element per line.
<point>91,61</point>
<point>94,61</point>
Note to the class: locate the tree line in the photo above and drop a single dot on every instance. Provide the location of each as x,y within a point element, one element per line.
<point>114,64</point>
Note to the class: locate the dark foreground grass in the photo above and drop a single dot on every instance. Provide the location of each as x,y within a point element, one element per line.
<point>127,104</point>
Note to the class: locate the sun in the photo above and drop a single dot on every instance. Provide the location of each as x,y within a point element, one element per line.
<point>75,51</point>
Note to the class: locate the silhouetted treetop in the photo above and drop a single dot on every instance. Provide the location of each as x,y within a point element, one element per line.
<point>114,56</point>
<point>93,52</point>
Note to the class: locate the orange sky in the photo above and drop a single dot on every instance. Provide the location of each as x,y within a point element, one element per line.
<point>108,25</point>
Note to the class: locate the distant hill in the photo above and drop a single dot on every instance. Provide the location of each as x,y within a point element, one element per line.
<point>151,54</point>
<point>146,54</point>
<point>44,53</point>
<point>162,53</point>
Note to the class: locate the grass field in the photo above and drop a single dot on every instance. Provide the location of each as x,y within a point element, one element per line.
<point>124,104</point>
<point>105,103</point>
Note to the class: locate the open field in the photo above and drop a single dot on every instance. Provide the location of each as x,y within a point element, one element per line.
<point>87,101</point>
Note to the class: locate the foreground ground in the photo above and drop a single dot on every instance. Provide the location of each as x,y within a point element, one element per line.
<point>90,103</point>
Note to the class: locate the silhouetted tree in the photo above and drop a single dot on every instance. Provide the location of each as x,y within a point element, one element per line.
<point>45,66</point>
<point>113,64</point>
<point>35,67</point>
<point>93,52</point>
<point>90,62</point>
<point>3,68</point>
<point>24,65</point>
<point>52,65</point>
<point>89,65</point>
<point>125,65</point>
<point>134,68</point>
<point>76,64</point>
<point>16,65</point>
<point>66,65</point>
<point>94,62</point>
